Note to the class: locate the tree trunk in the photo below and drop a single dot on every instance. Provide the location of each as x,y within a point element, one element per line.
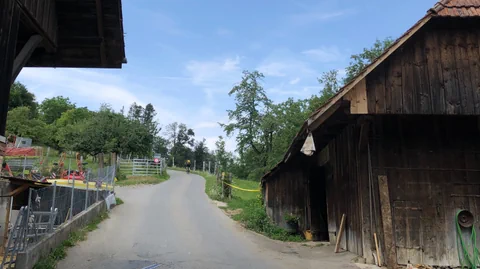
<point>100,160</point>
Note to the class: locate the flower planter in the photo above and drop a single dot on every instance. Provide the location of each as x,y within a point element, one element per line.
<point>292,227</point>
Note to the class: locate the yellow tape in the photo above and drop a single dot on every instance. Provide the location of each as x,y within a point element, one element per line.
<point>238,188</point>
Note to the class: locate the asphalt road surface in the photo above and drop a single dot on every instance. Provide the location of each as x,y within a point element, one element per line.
<point>175,225</point>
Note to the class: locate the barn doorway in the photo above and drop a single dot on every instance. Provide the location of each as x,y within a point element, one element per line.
<point>318,203</point>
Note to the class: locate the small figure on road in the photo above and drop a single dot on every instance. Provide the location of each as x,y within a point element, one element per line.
<point>187,166</point>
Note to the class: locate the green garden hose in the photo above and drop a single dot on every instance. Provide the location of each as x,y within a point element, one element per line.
<point>466,259</point>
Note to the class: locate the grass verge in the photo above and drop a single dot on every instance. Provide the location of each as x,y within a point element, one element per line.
<point>248,207</point>
<point>136,180</point>
<point>60,252</point>
<point>119,201</point>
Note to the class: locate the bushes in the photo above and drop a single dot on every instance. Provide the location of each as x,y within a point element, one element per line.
<point>254,217</point>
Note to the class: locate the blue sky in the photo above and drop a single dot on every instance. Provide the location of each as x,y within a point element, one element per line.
<point>185,55</point>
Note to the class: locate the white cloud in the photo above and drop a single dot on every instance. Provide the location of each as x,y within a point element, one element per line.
<point>299,92</point>
<point>274,69</point>
<point>94,86</point>
<point>91,88</point>
<point>325,54</point>
<point>206,125</point>
<point>211,73</point>
<point>162,22</point>
<point>230,143</point>
<point>294,81</point>
<point>284,63</point>
<point>316,16</point>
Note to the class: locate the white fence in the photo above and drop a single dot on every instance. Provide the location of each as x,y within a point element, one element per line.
<point>142,167</point>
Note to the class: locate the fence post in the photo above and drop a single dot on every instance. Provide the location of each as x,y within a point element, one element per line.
<point>68,174</point>
<point>203,166</point>
<point>24,164</point>
<point>28,215</point>
<point>86,192</point>
<point>194,165</point>
<point>52,209</point>
<point>209,171</point>
<point>173,161</point>
<point>73,195</point>
<point>147,168</point>
<point>114,174</point>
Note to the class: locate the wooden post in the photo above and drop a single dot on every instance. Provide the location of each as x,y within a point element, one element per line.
<point>379,259</point>
<point>9,22</point>
<point>340,232</point>
<point>390,248</point>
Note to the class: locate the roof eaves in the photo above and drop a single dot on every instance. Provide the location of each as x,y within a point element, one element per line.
<point>369,68</point>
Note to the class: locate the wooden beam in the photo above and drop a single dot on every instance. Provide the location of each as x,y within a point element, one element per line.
<point>18,190</point>
<point>24,55</point>
<point>314,123</point>
<point>101,34</point>
<point>41,17</point>
<point>9,22</point>
<point>385,207</point>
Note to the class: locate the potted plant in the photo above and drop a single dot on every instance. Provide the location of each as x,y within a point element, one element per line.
<point>292,223</point>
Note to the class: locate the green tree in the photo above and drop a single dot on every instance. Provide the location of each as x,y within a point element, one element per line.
<point>74,116</point>
<point>221,156</point>
<point>135,112</point>
<point>20,96</point>
<point>160,145</point>
<point>251,105</point>
<point>200,151</point>
<point>181,140</point>
<point>361,60</point>
<point>20,123</point>
<point>108,131</point>
<point>51,109</point>
<point>148,119</point>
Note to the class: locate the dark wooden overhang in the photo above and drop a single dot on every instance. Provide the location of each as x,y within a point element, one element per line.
<point>74,33</point>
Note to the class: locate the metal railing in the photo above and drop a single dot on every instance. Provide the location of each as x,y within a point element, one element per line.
<point>142,167</point>
<point>51,207</point>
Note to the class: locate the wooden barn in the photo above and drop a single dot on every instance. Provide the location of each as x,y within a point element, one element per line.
<point>397,149</point>
<point>57,33</point>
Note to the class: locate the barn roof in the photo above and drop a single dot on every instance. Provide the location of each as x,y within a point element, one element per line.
<point>457,8</point>
<point>443,8</point>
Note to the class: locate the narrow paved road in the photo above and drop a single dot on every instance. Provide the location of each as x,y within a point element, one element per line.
<point>175,225</point>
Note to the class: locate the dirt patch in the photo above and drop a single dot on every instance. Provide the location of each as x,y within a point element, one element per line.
<point>219,204</point>
<point>233,212</point>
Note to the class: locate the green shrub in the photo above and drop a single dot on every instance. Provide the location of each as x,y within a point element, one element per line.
<point>254,217</point>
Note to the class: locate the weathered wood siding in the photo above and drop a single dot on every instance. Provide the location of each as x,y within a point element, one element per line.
<point>433,168</point>
<point>436,72</point>
<point>43,14</point>
<point>286,193</point>
<point>9,23</point>
<point>347,182</point>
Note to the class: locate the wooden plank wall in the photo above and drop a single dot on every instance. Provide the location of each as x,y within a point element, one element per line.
<point>286,193</point>
<point>436,72</point>
<point>433,169</point>
<point>347,187</point>
<point>44,14</point>
<point>9,23</point>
